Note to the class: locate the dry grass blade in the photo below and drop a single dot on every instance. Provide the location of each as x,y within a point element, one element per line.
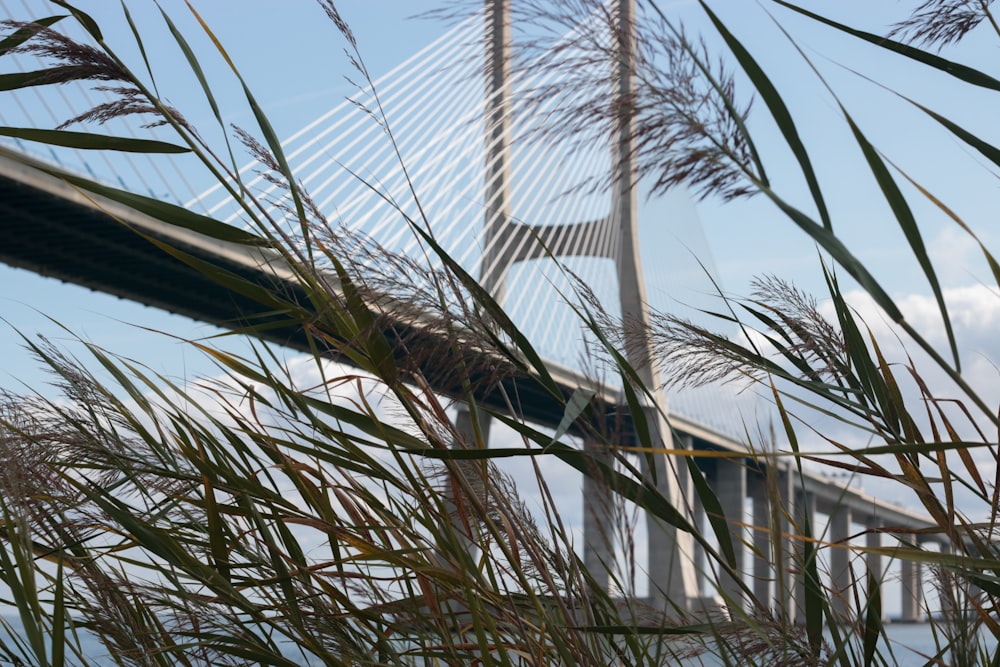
<point>938,23</point>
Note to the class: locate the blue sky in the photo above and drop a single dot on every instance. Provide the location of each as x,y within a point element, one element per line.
<point>292,57</point>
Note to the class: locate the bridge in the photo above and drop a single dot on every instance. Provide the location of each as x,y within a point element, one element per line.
<point>477,150</point>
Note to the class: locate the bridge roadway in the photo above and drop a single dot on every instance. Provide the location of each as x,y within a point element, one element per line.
<point>52,228</point>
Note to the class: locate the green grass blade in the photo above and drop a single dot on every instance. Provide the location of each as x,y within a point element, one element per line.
<point>987,255</point>
<point>483,298</point>
<point>904,216</point>
<point>832,244</point>
<point>140,44</point>
<point>206,89</point>
<point>713,510</point>
<point>59,617</point>
<point>779,111</point>
<point>22,35</point>
<point>577,403</point>
<point>17,572</point>
<point>873,619</point>
<point>170,214</point>
<point>644,495</point>
<point>85,19</point>
<point>957,70</point>
<point>815,593</point>
<point>984,148</point>
<point>18,80</point>
<point>88,141</point>
<point>270,137</point>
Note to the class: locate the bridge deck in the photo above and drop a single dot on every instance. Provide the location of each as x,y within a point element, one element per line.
<point>53,229</point>
<point>46,223</point>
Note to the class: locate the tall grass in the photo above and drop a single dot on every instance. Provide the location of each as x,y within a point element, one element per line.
<point>357,520</point>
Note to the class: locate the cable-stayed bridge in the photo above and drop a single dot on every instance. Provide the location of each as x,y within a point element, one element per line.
<point>473,156</point>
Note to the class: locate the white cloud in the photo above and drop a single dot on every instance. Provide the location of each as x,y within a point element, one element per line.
<point>974,312</point>
<point>956,256</point>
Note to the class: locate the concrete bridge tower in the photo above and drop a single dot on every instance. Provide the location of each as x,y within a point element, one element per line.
<point>670,563</point>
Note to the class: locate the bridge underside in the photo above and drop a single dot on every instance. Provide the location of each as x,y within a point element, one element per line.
<point>50,228</point>
<point>52,236</point>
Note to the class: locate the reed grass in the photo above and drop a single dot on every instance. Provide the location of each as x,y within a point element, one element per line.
<point>250,520</point>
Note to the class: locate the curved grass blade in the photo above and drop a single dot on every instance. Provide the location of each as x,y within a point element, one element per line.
<point>577,403</point>
<point>713,510</point>
<point>957,70</point>
<point>815,598</point>
<point>88,141</point>
<point>832,244</point>
<point>483,298</point>
<point>18,575</point>
<point>139,43</point>
<point>873,620</point>
<point>637,492</point>
<point>165,212</point>
<point>41,77</point>
<point>273,143</point>
<point>85,19</point>
<point>987,255</point>
<point>779,111</point>
<point>23,34</point>
<point>59,616</point>
<point>206,89</point>
<point>904,216</point>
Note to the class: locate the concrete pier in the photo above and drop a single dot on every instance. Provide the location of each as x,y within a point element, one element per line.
<point>598,521</point>
<point>730,483</point>
<point>841,576</point>
<point>763,573</point>
<point>912,610</point>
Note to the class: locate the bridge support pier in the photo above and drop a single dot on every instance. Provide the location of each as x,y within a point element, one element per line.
<point>873,540</point>
<point>841,576</point>
<point>912,592</point>
<point>784,551</point>
<point>598,522</point>
<point>700,563</point>
<point>804,511</point>
<point>763,574</point>
<point>672,584</point>
<point>730,484</point>
<point>673,587</point>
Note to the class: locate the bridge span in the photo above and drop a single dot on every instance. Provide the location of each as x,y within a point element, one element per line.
<point>46,221</point>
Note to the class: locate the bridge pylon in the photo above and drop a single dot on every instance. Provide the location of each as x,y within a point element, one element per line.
<point>672,577</point>
<point>670,562</point>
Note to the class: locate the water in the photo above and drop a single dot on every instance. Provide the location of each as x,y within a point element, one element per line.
<point>910,643</point>
<point>910,640</point>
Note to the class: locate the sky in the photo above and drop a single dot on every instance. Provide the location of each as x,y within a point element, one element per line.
<point>293,58</point>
